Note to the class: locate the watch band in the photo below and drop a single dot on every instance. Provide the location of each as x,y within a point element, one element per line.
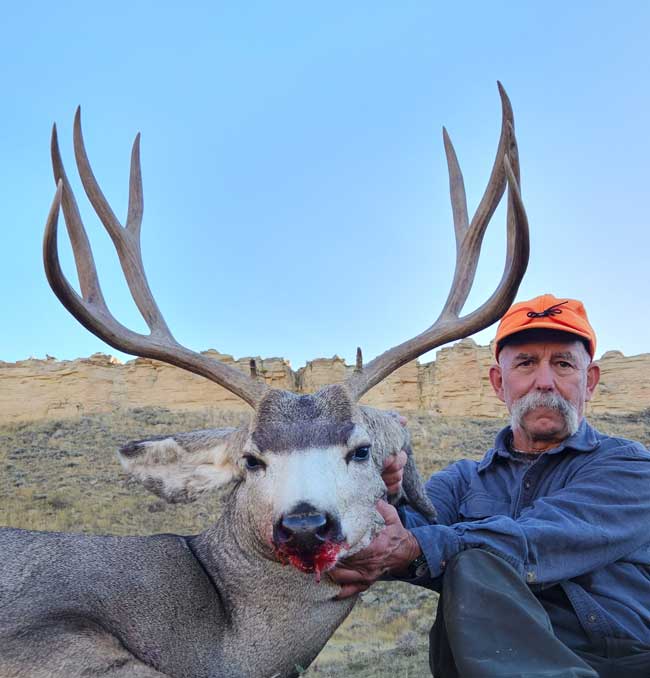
<point>418,567</point>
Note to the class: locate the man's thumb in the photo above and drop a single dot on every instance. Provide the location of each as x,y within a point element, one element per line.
<point>387,512</point>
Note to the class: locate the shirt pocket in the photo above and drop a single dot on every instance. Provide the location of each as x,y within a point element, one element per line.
<point>480,505</point>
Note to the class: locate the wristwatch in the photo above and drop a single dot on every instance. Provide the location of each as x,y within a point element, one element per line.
<point>418,567</point>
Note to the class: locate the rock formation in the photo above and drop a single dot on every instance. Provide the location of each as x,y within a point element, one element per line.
<point>455,383</point>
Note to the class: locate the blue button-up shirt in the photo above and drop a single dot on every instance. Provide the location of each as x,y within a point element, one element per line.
<point>575,524</point>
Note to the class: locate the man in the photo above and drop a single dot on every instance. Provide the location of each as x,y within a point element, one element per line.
<point>542,549</point>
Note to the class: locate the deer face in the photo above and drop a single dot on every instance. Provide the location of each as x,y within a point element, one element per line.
<point>312,470</point>
<point>307,473</point>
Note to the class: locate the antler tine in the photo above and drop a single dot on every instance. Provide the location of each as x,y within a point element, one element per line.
<point>497,181</point>
<point>518,248</point>
<point>457,191</point>
<point>90,309</point>
<point>83,255</point>
<point>469,238</point>
<point>449,325</point>
<point>126,240</point>
<point>136,201</point>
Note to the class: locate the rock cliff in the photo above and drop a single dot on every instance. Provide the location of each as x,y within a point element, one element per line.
<point>455,383</point>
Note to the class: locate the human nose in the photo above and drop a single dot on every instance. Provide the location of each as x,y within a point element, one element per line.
<point>544,377</point>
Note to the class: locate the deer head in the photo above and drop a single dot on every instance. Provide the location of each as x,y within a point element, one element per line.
<point>307,468</point>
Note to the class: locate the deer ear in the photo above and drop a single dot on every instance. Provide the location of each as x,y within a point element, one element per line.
<point>413,489</point>
<point>182,467</point>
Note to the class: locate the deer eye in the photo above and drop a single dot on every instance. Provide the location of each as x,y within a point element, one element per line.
<point>253,463</point>
<point>360,453</point>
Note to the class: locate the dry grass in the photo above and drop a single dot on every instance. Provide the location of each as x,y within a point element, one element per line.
<point>63,475</point>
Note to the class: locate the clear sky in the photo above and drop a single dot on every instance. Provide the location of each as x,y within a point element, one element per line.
<point>296,192</point>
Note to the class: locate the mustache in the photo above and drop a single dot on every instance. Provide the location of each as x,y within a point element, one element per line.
<point>551,401</point>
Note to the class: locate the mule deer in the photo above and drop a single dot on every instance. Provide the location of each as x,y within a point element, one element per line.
<point>242,598</point>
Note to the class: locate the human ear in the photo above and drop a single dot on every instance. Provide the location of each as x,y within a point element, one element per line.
<point>593,377</point>
<point>496,379</point>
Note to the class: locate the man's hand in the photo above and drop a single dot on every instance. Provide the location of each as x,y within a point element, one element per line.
<point>393,472</point>
<point>392,550</point>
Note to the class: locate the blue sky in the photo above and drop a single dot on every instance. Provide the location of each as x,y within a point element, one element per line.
<point>296,192</point>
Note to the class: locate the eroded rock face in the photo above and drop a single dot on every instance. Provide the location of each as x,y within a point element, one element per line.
<point>455,384</point>
<point>51,389</point>
<point>624,384</point>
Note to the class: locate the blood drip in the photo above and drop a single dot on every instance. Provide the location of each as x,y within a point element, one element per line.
<point>318,562</point>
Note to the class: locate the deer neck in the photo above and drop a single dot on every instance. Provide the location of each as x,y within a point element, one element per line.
<point>265,600</point>
<point>244,568</point>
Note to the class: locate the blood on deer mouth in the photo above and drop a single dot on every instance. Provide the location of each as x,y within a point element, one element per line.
<point>317,561</point>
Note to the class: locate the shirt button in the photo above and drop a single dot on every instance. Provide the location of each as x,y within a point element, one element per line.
<point>530,577</point>
<point>527,484</point>
<point>592,618</point>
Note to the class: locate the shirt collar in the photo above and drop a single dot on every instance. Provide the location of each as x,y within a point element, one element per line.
<point>585,439</point>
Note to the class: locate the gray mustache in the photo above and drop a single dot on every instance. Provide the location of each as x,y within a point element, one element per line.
<point>553,401</point>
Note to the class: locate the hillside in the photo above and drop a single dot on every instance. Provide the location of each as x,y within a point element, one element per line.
<point>63,475</point>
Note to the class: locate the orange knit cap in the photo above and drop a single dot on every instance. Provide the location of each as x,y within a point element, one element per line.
<point>547,312</point>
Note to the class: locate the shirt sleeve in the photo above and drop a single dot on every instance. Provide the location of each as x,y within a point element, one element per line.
<point>598,517</point>
<point>440,542</point>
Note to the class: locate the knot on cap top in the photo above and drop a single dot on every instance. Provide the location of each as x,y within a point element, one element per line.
<point>551,310</point>
<point>547,312</point>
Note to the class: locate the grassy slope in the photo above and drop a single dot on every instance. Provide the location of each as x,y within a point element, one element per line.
<point>63,475</point>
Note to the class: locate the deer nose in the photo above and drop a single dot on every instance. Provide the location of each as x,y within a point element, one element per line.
<point>305,528</point>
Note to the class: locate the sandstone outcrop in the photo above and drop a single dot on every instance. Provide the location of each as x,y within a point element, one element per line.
<point>454,384</point>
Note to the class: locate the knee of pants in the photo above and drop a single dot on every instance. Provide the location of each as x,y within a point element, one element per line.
<point>476,578</point>
<point>479,570</point>
<point>474,560</point>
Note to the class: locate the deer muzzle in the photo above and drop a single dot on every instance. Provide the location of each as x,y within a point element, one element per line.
<point>308,539</point>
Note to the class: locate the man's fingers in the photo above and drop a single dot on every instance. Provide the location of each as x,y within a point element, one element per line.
<point>395,463</point>
<point>393,471</point>
<point>341,575</point>
<point>350,590</point>
<point>392,478</point>
<point>388,475</point>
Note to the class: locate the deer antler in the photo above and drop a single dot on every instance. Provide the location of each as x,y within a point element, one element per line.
<point>90,309</point>
<point>469,237</point>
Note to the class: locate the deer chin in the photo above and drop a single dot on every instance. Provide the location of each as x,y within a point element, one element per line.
<point>312,562</point>
<point>357,540</point>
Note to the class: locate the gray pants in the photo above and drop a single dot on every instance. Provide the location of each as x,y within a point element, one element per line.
<point>490,625</point>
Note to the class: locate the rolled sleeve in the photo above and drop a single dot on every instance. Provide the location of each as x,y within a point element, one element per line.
<point>439,544</point>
